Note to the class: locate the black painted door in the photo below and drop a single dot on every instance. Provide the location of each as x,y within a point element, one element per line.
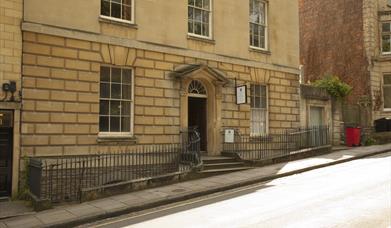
<point>5,160</point>
<point>197,118</point>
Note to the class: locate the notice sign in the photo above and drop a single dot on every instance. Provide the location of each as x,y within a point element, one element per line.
<point>241,94</point>
<point>229,136</point>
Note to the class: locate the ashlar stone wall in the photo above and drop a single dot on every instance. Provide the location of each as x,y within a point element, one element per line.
<point>61,95</point>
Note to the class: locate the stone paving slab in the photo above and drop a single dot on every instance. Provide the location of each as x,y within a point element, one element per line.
<point>70,215</point>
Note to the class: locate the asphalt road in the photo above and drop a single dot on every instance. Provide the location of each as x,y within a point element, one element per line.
<point>353,194</point>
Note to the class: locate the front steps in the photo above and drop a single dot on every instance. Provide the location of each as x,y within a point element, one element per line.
<point>216,165</point>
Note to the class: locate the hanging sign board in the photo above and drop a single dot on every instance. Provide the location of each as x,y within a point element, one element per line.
<point>241,94</point>
<point>229,136</point>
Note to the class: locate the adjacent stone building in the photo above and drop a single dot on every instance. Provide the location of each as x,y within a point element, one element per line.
<point>351,39</point>
<point>11,12</point>
<point>102,76</point>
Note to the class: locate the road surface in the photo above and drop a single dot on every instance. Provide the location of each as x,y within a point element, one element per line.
<point>353,194</point>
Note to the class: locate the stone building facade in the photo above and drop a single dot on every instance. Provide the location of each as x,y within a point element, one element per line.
<point>345,38</point>
<point>106,81</point>
<point>11,12</point>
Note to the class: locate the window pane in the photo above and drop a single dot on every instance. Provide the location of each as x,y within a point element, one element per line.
<point>261,30</point>
<point>387,97</point>
<point>127,76</point>
<point>198,3</point>
<point>104,107</point>
<point>386,43</point>
<point>252,90</point>
<point>115,108</point>
<point>116,91</point>
<point>263,91</point>
<point>197,28</point>
<point>257,90</point>
<point>386,27</point>
<point>206,4</point>
<point>190,24</point>
<point>104,90</point>
<point>387,80</point>
<point>256,41</point>
<point>127,13</point>
<point>257,102</point>
<point>125,108</point>
<point>116,75</point>
<point>105,8</point>
<point>105,74</point>
<point>125,124</point>
<point>114,124</point>
<point>116,10</point>
<point>205,17</point>
<point>191,2</point>
<point>205,29</point>
<point>126,92</point>
<point>190,13</point>
<point>104,124</point>
<point>127,2</point>
<point>262,13</point>
<point>197,15</point>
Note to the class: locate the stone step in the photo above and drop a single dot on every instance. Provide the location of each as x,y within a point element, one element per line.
<point>224,170</point>
<point>214,160</point>
<point>223,165</point>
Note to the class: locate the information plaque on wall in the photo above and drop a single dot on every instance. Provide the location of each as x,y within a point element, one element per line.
<point>229,136</point>
<point>241,94</point>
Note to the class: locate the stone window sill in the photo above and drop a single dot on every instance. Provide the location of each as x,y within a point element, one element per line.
<point>266,52</point>
<point>115,22</point>
<point>202,39</point>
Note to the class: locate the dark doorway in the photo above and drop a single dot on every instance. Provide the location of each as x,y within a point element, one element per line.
<point>197,118</point>
<point>6,145</point>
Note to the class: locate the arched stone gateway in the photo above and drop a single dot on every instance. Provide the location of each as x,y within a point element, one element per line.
<point>201,102</point>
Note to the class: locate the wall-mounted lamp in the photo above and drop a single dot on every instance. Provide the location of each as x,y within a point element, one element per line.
<point>9,87</point>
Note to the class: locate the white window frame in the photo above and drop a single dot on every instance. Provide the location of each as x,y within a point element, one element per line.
<point>131,21</point>
<point>266,109</point>
<point>383,88</point>
<point>121,134</point>
<point>266,48</point>
<point>381,37</point>
<point>210,21</point>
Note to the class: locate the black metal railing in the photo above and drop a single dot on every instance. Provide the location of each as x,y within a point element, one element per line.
<point>276,145</point>
<point>63,178</point>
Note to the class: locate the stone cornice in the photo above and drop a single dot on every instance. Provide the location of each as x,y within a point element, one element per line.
<point>76,34</point>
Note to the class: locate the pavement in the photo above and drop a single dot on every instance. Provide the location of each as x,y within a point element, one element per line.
<point>71,215</point>
<point>10,208</point>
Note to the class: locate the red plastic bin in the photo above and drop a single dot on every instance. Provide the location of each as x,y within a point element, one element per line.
<point>353,136</point>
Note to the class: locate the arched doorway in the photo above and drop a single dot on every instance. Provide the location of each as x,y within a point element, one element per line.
<point>197,111</point>
<point>201,98</point>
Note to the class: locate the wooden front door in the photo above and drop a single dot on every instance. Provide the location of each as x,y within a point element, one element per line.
<point>197,118</point>
<point>6,145</point>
